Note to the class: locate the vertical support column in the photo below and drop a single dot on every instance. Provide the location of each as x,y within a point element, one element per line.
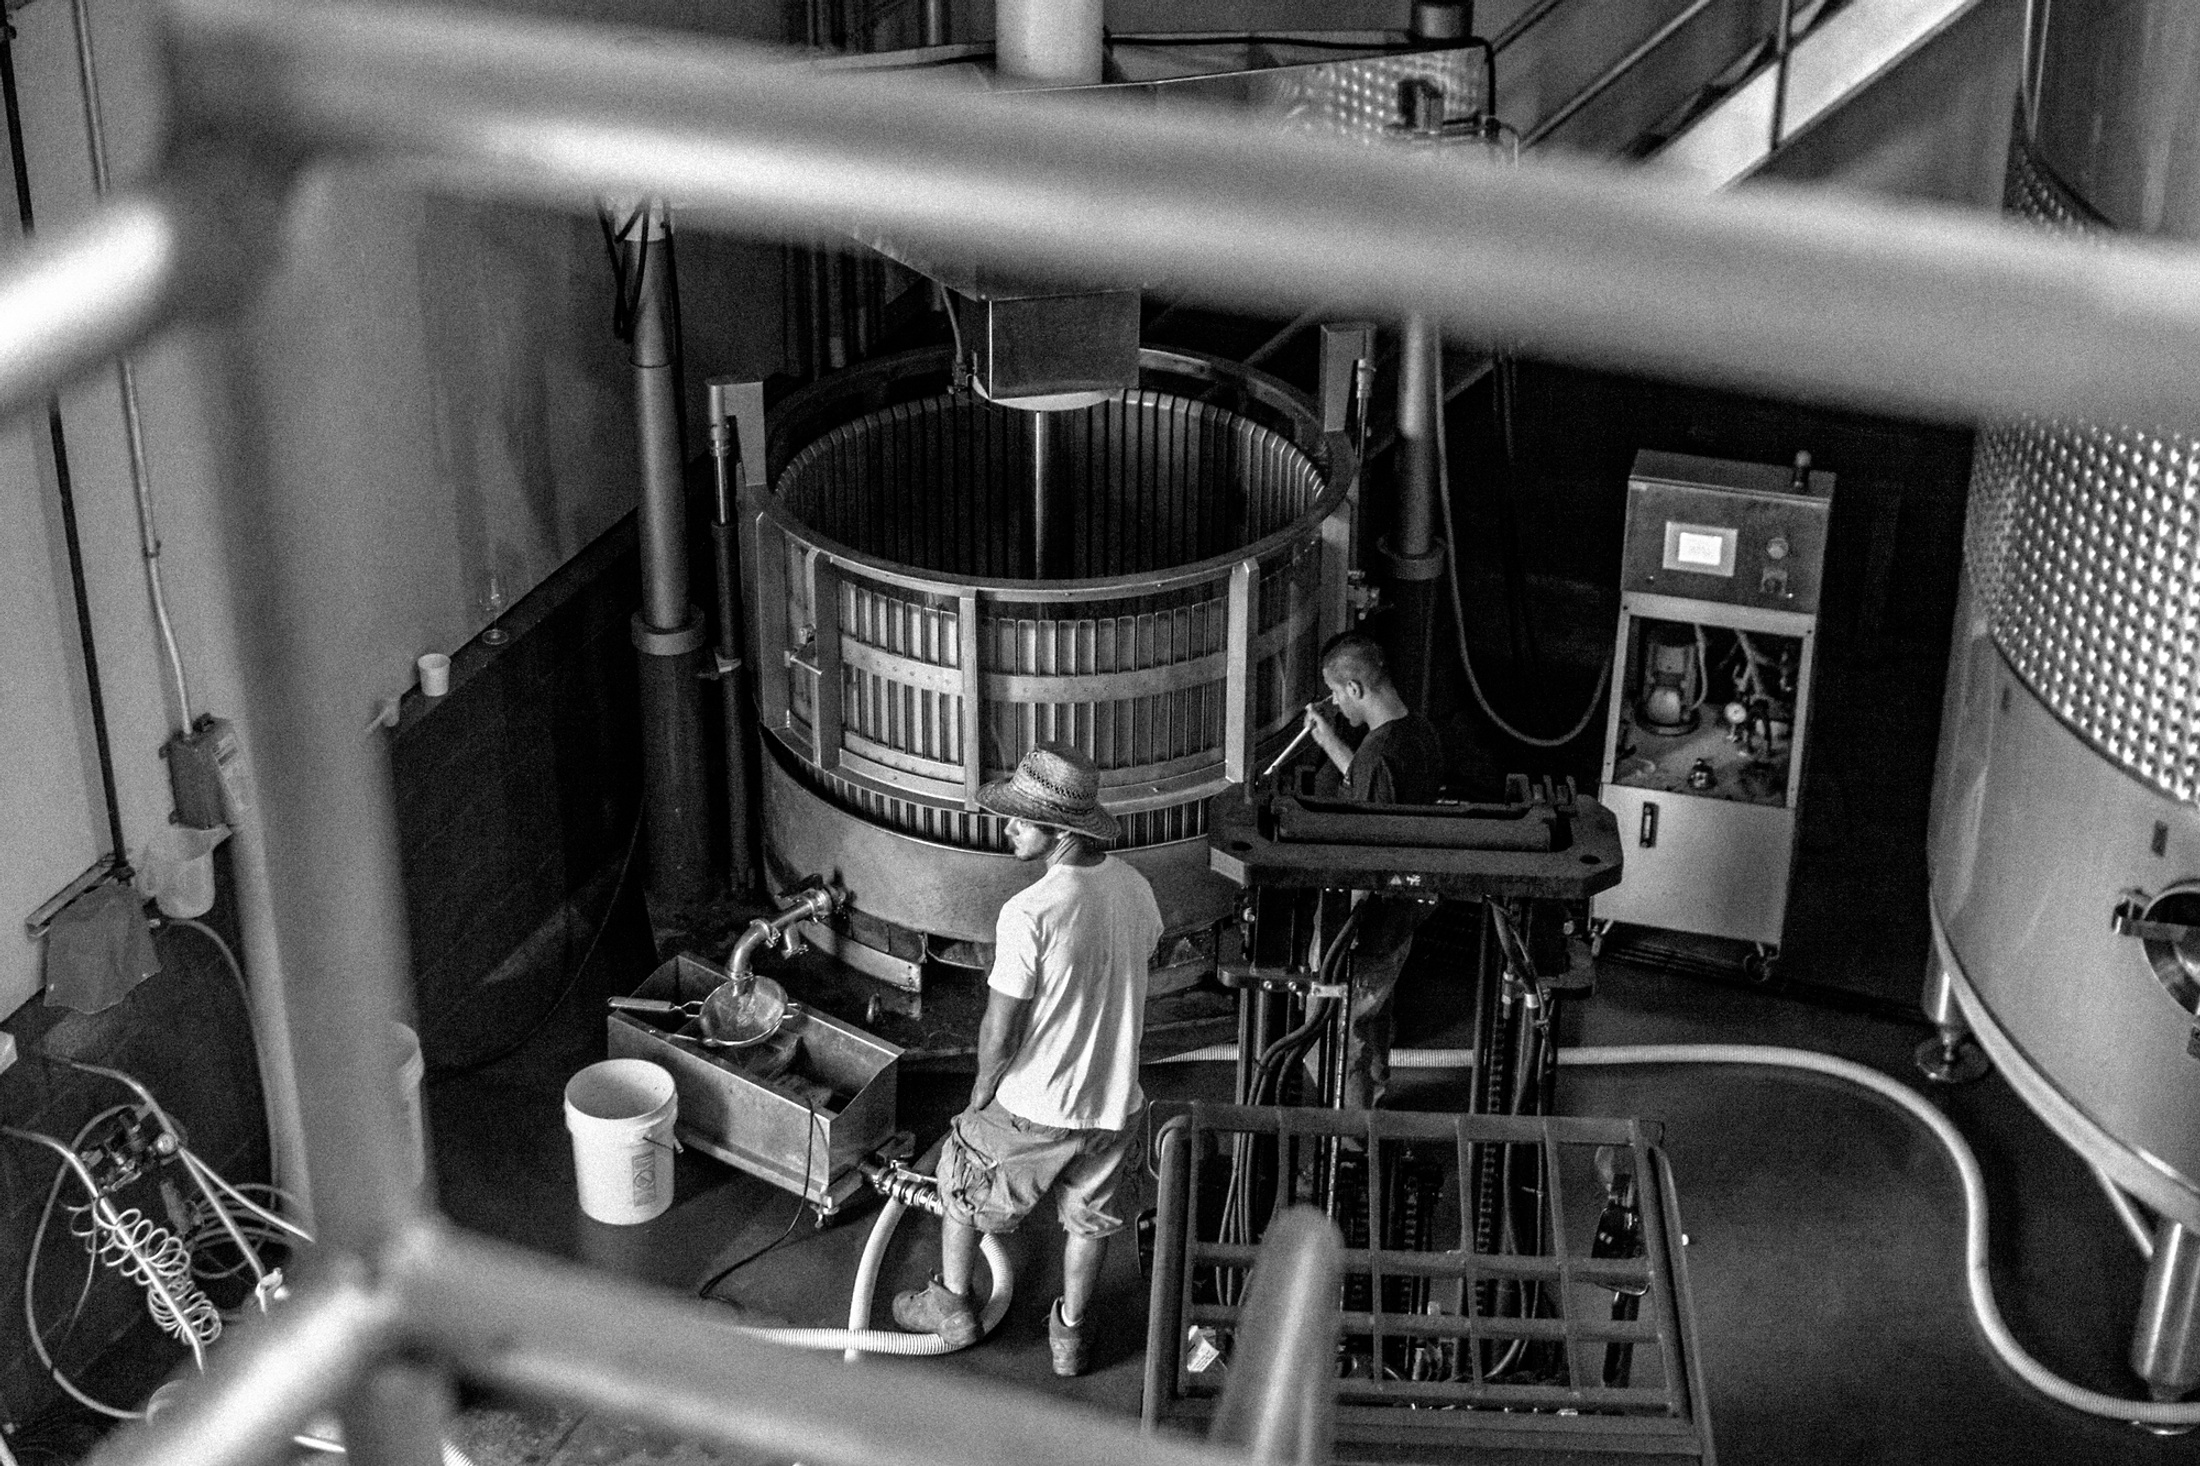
<point>936,25</point>
<point>668,631</point>
<point>1055,42</point>
<point>396,1417</point>
<point>973,695</point>
<point>2165,1346</point>
<point>1240,632</point>
<point>1413,556</point>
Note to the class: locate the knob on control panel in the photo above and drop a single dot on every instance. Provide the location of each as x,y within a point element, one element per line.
<point>1776,548</point>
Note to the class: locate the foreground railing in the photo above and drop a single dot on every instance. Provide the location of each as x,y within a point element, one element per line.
<point>1871,305</point>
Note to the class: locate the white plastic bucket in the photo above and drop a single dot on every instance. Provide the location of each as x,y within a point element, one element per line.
<point>621,1113</point>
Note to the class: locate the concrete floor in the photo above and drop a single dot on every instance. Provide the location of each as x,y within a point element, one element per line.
<point>1824,1230</point>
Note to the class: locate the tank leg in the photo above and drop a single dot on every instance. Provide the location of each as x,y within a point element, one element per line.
<point>2165,1347</point>
<point>1952,1056</point>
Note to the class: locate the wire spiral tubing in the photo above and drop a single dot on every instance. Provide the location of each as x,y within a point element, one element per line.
<point>154,1258</point>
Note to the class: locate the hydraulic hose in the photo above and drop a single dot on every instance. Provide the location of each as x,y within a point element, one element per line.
<point>1977,1278</point>
<point>858,1337</point>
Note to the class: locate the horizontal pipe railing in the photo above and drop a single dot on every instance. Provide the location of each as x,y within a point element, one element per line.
<point>557,1332</point>
<point>1780,290</point>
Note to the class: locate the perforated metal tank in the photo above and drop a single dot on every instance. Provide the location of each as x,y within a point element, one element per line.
<point>1148,580</point>
<point>2067,798</point>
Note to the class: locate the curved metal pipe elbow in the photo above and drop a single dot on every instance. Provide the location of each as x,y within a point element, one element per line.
<point>814,904</point>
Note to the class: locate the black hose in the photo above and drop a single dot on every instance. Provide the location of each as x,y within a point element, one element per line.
<point>1276,1060</point>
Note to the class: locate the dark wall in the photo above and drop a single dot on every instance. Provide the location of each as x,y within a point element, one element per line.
<point>1857,918</point>
<point>516,799</point>
<point>183,1033</point>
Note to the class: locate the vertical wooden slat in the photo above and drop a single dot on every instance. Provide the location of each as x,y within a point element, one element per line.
<point>1237,713</point>
<point>825,715</point>
<point>973,757</point>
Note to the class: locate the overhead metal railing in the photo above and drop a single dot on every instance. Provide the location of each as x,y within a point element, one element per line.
<point>1868,304</point>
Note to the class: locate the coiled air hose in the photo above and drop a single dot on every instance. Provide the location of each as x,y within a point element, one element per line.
<point>1977,1278</point>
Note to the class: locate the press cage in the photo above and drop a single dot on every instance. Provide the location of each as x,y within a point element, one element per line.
<point>1148,580</point>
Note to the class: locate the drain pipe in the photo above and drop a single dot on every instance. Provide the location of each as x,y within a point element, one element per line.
<point>1049,42</point>
<point>668,630</point>
<point>1413,557</point>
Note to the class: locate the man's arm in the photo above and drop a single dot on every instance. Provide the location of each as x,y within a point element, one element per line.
<point>1328,738</point>
<point>1000,1038</point>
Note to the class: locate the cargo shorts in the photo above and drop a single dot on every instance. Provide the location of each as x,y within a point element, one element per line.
<point>997,1166</point>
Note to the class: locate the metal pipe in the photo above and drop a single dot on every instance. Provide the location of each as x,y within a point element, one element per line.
<point>397,1415</point>
<point>548,1330</point>
<point>95,695</point>
<point>935,28</point>
<point>814,904</point>
<point>1050,42</point>
<point>662,516</point>
<point>1280,1403</point>
<point>1612,74</point>
<point>668,630</point>
<point>1774,289</point>
<point>1415,533</point>
<point>2165,1343</point>
<point>75,298</point>
<point>1783,47</point>
<point>273,1373</point>
<point>141,475</point>
<point>290,526</point>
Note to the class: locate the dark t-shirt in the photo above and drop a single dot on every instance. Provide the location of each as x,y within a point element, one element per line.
<point>1402,762</point>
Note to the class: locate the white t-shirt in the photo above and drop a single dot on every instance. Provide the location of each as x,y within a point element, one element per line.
<point>1076,943</point>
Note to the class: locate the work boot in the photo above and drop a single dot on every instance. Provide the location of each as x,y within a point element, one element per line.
<point>937,1309</point>
<point>1066,1342</point>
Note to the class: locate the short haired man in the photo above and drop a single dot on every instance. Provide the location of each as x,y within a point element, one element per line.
<point>1399,761</point>
<point>1057,1099</point>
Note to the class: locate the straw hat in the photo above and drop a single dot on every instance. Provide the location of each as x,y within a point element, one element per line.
<point>1052,786</point>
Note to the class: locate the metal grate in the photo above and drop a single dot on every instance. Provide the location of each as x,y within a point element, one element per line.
<point>1452,1345</point>
<point>2083,548</point>
<point>1358,100</point>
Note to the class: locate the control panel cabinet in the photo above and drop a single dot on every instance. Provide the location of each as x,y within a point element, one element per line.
<point>1710,704</point>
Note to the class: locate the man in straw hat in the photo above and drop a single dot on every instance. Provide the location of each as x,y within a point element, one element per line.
<point>1057,1101</point>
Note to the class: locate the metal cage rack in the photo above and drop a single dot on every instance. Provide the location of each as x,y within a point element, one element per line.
<point>1559,1343</point>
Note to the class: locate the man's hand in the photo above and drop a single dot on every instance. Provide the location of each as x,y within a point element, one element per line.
<point>1323,727</point>
<point>1000,1036</point>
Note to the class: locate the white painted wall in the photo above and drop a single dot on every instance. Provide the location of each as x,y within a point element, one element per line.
<point>461,353</point>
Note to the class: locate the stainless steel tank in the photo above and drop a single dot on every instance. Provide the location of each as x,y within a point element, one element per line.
<point>938,583</point>
<point>2065,838</point>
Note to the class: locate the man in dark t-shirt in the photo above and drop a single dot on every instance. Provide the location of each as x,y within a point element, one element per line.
<point>1400,761</point>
